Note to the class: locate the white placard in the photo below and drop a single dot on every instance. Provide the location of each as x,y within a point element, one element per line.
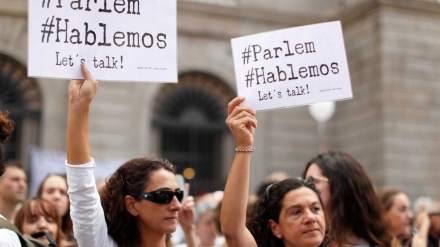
<point>127,40</point>
<point>291,67</point>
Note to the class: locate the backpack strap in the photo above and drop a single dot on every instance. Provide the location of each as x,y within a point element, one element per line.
<point>5,224</point>
<point>38,243</point>
<point>34,239</point>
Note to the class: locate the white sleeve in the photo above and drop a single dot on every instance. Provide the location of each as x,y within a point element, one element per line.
<point>9,238</point>
<point>89,226</point>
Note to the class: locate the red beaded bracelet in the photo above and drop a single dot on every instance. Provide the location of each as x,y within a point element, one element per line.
<point>244,150</point>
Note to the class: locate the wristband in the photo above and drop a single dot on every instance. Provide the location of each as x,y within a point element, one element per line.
<point>244,150</point>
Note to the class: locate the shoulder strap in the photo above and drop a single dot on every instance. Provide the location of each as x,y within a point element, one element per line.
<point>5,224</point>
<point>36,242</point>
<point>34,239</point>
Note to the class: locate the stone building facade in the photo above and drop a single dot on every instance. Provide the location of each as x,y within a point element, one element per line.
<point>391,125</point>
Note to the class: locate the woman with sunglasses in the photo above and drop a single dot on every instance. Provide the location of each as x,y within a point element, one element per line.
<point>141,200</point>
<point>288,214</point>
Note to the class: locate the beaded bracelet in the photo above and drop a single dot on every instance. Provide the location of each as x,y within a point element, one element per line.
<point>244,150</point>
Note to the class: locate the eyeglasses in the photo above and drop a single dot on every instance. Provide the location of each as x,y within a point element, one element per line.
<point>317,180</point>
<point>162,196</point>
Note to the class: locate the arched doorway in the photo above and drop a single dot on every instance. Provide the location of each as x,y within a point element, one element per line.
<point>20,95</point>
<point>191,117</point>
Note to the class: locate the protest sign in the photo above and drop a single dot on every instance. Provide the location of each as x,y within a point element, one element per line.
<point>291,67</point>
<point>121,40</point>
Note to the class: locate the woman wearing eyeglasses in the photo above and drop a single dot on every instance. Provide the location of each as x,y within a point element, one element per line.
<point>140,202</point>
<point>351,206</point>
<point>288,214</point>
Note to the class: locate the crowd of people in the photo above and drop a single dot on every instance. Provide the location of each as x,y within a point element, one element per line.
<point>333,204</point>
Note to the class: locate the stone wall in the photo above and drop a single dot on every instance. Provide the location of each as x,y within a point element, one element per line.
<point>392,123</point>
<point>410,50</point>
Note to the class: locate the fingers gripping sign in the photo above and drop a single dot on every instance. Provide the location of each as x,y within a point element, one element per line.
<point>83,90</point>
<point>81,93</point>
<point>242,122</point>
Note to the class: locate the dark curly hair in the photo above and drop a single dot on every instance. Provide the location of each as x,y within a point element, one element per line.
<point>268,207</point>
<point>6,128</point>
<point>130,179</point>
<point>353,206</point>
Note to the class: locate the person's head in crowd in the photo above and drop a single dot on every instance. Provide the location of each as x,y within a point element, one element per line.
<point>272,178</point>
<point>206,228</point>
<point>397,210</point>
<point>352,207</point>
<point>289,213</point>
<point>261,189</point>
<point>13,188</point>
<point>54,189</point>
<point>6,128</point>
<point>276,176</point>
<point>38,215</point>
<point>141,198</point>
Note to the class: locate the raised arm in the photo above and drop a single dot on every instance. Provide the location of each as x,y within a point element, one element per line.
<point>81,93</point>
<point>187,217</point>
<point>89,225</point>
<point>242,122</point>
<point>422,223</point>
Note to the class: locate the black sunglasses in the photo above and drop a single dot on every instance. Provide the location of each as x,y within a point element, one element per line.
<point>162,196</point>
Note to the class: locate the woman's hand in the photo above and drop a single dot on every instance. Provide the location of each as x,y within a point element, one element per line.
<point>242,122</point>
<point>187,218</point>
<point>422,223</point>
<point>81,92</point>
<point>422,218</point>
<point>187,214</point>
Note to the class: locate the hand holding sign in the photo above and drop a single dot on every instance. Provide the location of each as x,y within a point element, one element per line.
<point>291,67</point>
